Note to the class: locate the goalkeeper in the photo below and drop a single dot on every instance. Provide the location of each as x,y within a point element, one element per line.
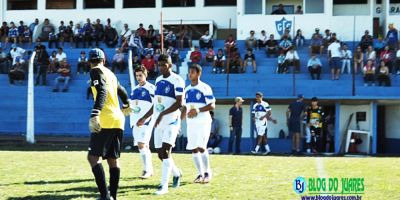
<point>106,123</point>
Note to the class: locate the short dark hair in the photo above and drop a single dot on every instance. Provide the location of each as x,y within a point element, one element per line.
<point>142,69</point>
<point>164,58</point>
<point>196,67</point>
<point>96,61</point>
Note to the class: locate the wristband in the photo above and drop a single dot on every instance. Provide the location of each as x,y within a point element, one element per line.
<point>95,112</point>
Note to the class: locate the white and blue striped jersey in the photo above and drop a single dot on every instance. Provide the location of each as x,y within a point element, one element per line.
<point>167,89</point>
<point>259,110</point>
<point>13,32</point>
<point>196,97</point>
<point>141,102</point>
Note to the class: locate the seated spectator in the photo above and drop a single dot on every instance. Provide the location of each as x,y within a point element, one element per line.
<point>299,10</point>
<point>64,76</point>
<point>366,41</point>
<point>369,73</point>
<point>12,34</point>
<point>285,45</point>
<point>251,41</point>
<point>262,41</point>
<point>215,137</point>
<point>327,38</point>
<point>170,39</point>
<point>299,39</point>
<point>230,44</point>
<point>118,61</point>
<point>150,65</point>
<point>150,35</point>
<point>125,33</point>
<point>17,72</point>
<point>346,58</point>
<point>271,46</point>
<point>26,36</point>
<point>386,56</point>
<point>383,75</point>
<point>205,40</point>
<point>66,36</point>
<point>16,52</point>
<point>99,27</point>
<point>4,62</point>
<point>249,59</point>
<point>135,44</point>
<point>358,60</point>
<point>142,32</point>
<point>379,45</point>
<point>4,30</point>
<point>195,56</point>
<point>292,59</point>
<point>314,67</point>
<point>157,42</point>
<point>125,44</point>
<point>61,55</point>
<point>396,69</point>
<point>316,45</point>
<point>79,36</point>
<point>219,62</point>
<point>279,11</point>
<point>235,63</point>
<point>135,62</point>
<point>210,55</point>
<point>185,34</point>
<point>286,33</point>
<point>281,64</point>
<point>46,29</point>
<point>53,66</point>
<point>94,36</point>
<point>334,57</point>
<point>148,50</point>
<point>371,54</point>
<point>61,30</point>
<point>21,29</point>
<point>83,63</point>
<point>53,39</point>
<point>392,37</point>
<point>110,36</point>
<point>173,53</point>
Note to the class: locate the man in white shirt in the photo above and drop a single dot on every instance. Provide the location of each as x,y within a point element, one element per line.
<point>16,52</point>
<point>262,41</point>
<point>205,40</point>
<point>292,59</point>
<point>125,33</point>
<point>334,56</point>
<point>60,56</point>
<point>346,58</point>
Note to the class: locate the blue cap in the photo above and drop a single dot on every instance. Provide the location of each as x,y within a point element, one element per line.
<point>96,53</point>
<point>300,96</point>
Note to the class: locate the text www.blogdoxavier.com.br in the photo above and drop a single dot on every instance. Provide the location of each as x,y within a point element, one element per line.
<point>331,197</point>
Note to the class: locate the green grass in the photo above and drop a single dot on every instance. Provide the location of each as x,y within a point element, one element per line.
<point>66,175</point>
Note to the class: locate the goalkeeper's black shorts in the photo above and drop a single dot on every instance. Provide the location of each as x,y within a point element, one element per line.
<point>106,143</point>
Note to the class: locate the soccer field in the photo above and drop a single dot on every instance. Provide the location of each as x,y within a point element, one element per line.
<point>66,175</point>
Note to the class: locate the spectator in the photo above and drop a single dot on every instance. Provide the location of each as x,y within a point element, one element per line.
<point>346,57</point>
<point>366,41</point>
<point>16,53</point>
<point>205,40</point>
<point>4,62</point>
<point>43,63</point>
<point>33,25</point>
<point>110,37</point>
<point>135,44</point>
<point>383,75</point>
<point>314,67</point>
<point>327,38</point>
<point>17,72</point>
<point>293,116</point>
<point>386,56</point>
<point>142,32</point>
<point>94,36</point>
<point>53,66</point>
<point>21,29</point>
<point>299,10</point>
<point>397,63</point>
<point>26,36</point>
<point>262,41</point>
<point>358,60</point>
<point>371,54</point>
<point>53,39</point>
<point>249,59</point>
<point>173,53</point>
<point>334,55</point>
<point>315,116</point>
<point>316,45</point>
<point>118,61</point>
<point>230,44</point>
<point>210,55</point>
<point>286,34</point>
<point>64,76</point>
<point>285,45</point>
<point>235,62</point>
<point>157,41</point>
<point>125,33</point>
<point>379,45</point>
<point>251,41</point>
<point>185,34</point>
<point>215,137</point>
<point>195,56</point>
<point>369,73</point>
<point>235,125</point>
<point>61,55</point>
<point>65,35</point>
<point>279,11</point>
<point>12,34</point>
<point>392,37</point>
<point>135,62</point>
<point>4,32</point>
<point>292,59</point>
<point>170,39</point>
<point>83,63</point>
<point>46,29</point>
<point>87,33</point>
<point>150,34</point>
<point>271,46</point>
<point>99,27</point>
<point>281,64</point>
<point>299,39</point>
<point>148,50</point>
<point>150,65</point>
<point>79,36</point>
<point>219,62</point>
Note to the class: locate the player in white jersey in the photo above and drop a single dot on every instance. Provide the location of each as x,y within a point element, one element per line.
<point>198,102</point>
<point>141,102</point>
<point>166,113</point>
<point>261,114</point>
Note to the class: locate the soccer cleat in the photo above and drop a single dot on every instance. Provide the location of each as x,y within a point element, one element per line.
<point>146,175</point>
<point>206,178</point>
<point>266,152</point>
<point>176,180</point>
<point>199,179</point>
<point>161,190</point>
<point>254,152</point>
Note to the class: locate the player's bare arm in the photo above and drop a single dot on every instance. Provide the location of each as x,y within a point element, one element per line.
<point>142,120</point>
<point>174,107</point>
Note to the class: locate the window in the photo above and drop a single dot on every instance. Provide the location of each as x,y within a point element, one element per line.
<point>350,1</point>
<point>99,4</point>
<point>139,4</point>
<point>219,2</point>
<point>178,3</point>
<point>314,6</point>
<point>60,4</point>
<point>394,1</point>
<point>253,7</point>
<point>21,4</point>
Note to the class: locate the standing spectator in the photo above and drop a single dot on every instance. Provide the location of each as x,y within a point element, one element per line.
<point>285,45</point>
<point>185,34</point>
<point>65,35</point>
<point>334,54</point>
<point>43,63</point>
<point>46,29</point>
<point>4,32</point>
<point>17,72</point>
<point>358,60</point>
<point>386,56</point>
<point>316,45</point>
<point>64,76</point>
<point>135,44</point>
<point>371,54</point>
<point>369,74</point>
<point>366,41</point>
<point>271,46</point>
<point>294,116</point>
<point>33,25</point>
<point>315,116</point>
<point>299,39</point>
<point>170,39</point>
<point>383,75</point>
<point>379,45</point>
<point>235,125</point>
<point>125,33</point>
<point>392,37</point>
<point>249,59</point>
<point>251,41</point>
<point>99,27</point>
<point>12,34</point>
<point>299,10</point>
<point>150,35</point>
<point>83,63</point>
<point>281,64</point>
<point>110,36</point>
<point>142,32</point>
<point>326,41</point>
<point>292,59</point>
<point>230,44</point>
<point>219,62</point>
<point>79,36</point>
<point>210,55</point>
<point>87,33</point>
<point>4,62</point>
<point>215,137</point>
<point>346,58</point>
<point>279,11</point>
<point>118,61</point>
<point>53,39</point>
<point>314,67</point>
<point>262,41</point>
<point>205,40</point>
<point>195,56</point>
<point>21,29</point>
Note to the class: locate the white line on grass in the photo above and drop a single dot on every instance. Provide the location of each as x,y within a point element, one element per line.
<point>320,168</point>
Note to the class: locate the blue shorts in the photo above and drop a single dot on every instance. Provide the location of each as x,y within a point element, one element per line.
<point>335,63</point>
<point>294,126</point>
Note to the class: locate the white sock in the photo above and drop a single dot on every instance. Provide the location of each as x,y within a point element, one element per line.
<point>198,163</point>
<point>175,169</point>
<point>206,161</point>
<point>257,148</point>
<point>143,158</point>
<point>148,164</point>
<point>166,172</point>
<point>267,148</point>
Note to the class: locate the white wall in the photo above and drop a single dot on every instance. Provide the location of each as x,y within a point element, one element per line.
<point>347,110</point>
<point>392,125</point>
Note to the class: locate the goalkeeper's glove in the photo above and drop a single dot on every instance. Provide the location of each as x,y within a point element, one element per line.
<point>94,122</point>
<point>126,109</point>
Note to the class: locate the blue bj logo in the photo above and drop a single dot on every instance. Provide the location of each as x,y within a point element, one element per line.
<point>299,185</point>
